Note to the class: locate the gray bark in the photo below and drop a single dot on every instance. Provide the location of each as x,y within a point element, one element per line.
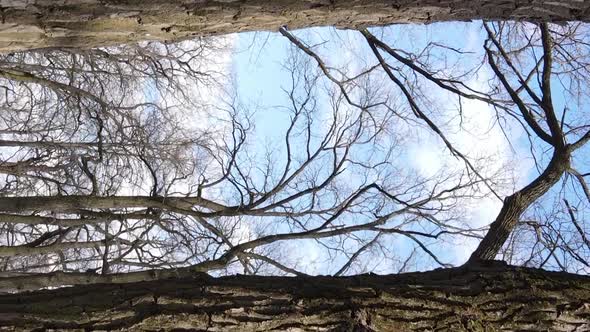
<point>28,24</point>
<point>515,205</point>
<point>22,250</point>
<point>73,203</point>
<point>475,298</point>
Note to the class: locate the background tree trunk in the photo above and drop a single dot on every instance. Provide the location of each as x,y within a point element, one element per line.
<point>488,297</point>
<point>28,24</point>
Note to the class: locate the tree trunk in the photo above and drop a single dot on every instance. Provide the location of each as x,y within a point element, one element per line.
<point>516,204</point>
<point>482,298</point>
<point>73,203</point>
<point>28,24</point>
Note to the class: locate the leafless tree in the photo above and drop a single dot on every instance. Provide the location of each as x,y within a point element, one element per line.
<point>215,200</point>
<point>106,183</point>
<point>94,124</point>
<point>526,60</point>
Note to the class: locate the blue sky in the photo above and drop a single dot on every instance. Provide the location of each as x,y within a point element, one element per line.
<point>260,76</point>
<point>258,64</point>
<point>258,69</point>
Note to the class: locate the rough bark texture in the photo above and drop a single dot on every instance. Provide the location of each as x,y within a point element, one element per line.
<point>30,24</point>
<point>483,298</point>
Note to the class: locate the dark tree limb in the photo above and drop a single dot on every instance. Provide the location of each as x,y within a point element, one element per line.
<point>85,24</point>
<point>489,296</point>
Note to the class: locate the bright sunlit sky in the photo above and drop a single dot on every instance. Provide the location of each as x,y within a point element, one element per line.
<point>255,76</point>
<point>257,67</point>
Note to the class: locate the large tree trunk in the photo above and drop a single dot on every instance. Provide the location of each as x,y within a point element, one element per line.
<point>516,204</point>
<point>30,24</point>
<point>491,297</point>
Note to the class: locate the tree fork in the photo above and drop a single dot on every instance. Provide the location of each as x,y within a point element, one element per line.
<point>486,296</point>
<point>29,24</point>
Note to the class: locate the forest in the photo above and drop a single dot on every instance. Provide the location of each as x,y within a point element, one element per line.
<point>314,165</point>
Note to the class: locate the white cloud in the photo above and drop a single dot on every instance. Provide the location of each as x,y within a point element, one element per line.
<point>481,139</point>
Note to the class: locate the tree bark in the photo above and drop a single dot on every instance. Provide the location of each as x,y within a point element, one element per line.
<point>28,24</point>
<point>73,203</point>
<point>11,251</point>
<point>516,204</point>
<point>474,298</point>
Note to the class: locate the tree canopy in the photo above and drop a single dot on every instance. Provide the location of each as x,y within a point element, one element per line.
<point>142,163</point>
